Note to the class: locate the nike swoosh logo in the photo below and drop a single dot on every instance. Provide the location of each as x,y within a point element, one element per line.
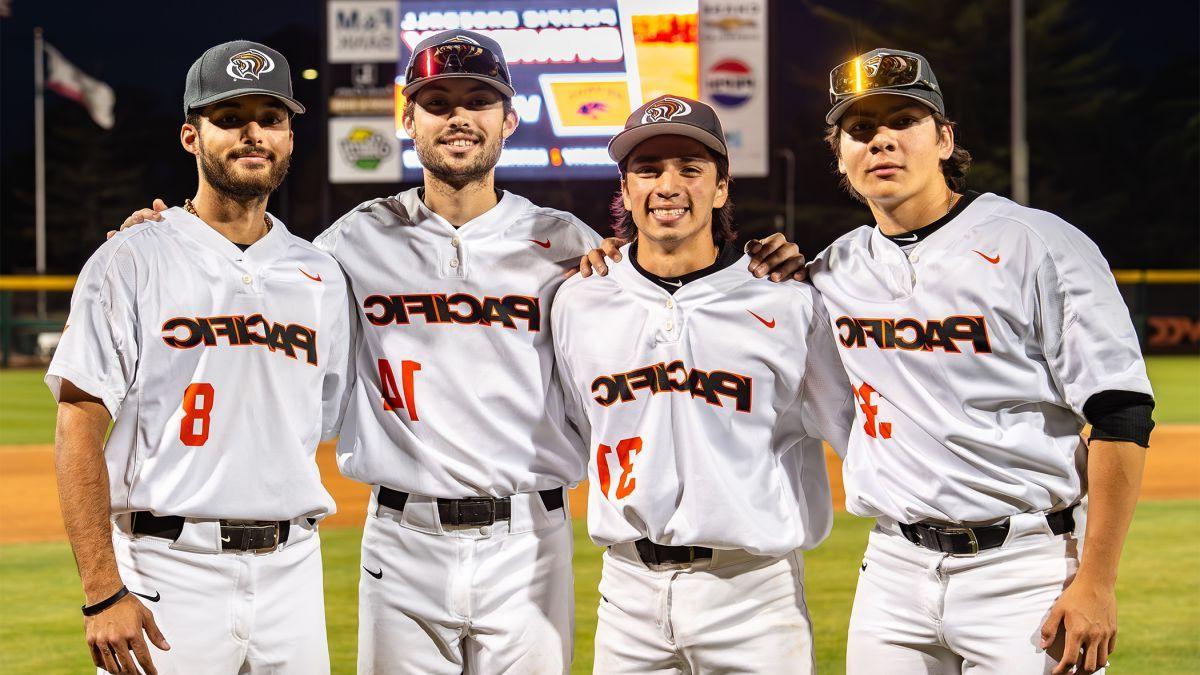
<point>768,324</point>
<point>156,598</point>
<point>673,283</point>
<point>909,238</point>
<point>988,258</point>
<point>377,575</point>
<point>316,278</point>
<point>226,539</point>
<point>543,244</point>
<point>864,567</point>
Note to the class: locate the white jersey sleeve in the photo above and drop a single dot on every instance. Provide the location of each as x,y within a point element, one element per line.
<point>827,401</point>
<point>1087,334</point>
<point>99,349</point>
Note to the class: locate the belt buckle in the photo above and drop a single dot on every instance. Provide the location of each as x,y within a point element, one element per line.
<point>246,543</point>
<point>970,537</point>
<point>491,509</point>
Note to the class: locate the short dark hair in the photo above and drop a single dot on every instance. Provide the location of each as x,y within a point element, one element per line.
<point>954,169</point>
<point>409,106</point>
<point>723,226</point>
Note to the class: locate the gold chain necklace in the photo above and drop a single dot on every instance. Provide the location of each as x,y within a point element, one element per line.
<point>187,206</point>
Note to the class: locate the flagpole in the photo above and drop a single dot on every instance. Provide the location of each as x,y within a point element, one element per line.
<point>39,152</point>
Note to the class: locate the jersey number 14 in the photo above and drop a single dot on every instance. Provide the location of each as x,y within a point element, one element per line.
<point>392,400</point>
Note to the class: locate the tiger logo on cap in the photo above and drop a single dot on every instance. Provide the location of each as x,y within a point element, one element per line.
<point>248,64</point>
<point>665,110</point>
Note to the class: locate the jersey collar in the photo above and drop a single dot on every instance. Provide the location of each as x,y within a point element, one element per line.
<point>490,223</point>
<point>271,246</point>
<point>696,292</point>
<point>943,239</point>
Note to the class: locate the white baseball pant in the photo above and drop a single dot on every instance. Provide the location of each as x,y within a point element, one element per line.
<point>466,599</point>
<point>735,613</point>
<point>229,612</point>
<point>921,611</point>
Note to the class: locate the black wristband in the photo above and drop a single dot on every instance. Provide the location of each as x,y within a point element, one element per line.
<point>93,610</point>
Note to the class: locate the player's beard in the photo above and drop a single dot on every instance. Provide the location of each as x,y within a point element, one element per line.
<point>246,185</point>
<point>487,155</point>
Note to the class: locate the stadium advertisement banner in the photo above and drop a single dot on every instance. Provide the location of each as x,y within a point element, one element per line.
<point>733,78</point>
<point>579,68</point>
<point>363,150</point>
<point>361,31</point>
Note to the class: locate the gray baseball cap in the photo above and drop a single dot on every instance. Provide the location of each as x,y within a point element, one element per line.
<point>459,54</point>
<point>883,71</point>
<point>238,68</point>
<point>670,116</point>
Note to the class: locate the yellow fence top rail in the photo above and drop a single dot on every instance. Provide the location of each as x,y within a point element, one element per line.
<point>66,282</point>
<point>37,283</point>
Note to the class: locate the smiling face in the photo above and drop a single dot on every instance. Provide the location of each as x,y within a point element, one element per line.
<point>243,145</point>
<point>891,149</point>
<point>458,126</point>
<point>670,187</point>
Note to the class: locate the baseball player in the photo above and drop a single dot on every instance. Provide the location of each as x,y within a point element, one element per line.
<point>978,335</point>
<point>703,393</point>
<point>217,343</point>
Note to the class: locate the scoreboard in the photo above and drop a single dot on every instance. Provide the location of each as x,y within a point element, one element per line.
<point>579,67</point>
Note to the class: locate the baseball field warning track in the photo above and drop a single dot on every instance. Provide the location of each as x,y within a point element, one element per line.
<point>29,508</point>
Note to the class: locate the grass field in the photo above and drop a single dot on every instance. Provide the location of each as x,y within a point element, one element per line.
<point>1158,592</point>
<point>40,627</point>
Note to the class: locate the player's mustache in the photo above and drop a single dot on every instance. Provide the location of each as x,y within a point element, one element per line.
<point>478,138</point>
<point>252,152</point>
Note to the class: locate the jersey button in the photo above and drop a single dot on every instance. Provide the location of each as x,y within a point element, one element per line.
<point>455,242</point>
<point>669,325</point>
<point>453,264</point>
<point>246,279</point>
<point>670,303</point>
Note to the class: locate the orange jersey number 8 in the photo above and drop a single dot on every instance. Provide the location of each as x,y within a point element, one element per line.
<point>197,407</point>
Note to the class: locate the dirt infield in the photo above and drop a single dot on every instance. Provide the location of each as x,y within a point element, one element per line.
<point>29,503</point>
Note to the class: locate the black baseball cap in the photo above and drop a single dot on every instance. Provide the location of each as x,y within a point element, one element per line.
<point>459,54</point>
<point>239,68</point>
<point>883,71</point>
<point>670,115</point>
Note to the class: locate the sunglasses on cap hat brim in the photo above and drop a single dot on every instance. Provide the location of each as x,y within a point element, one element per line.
<point>457,59</point>
<point>881,71</point>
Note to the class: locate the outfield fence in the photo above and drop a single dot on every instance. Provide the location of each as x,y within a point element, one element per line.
<point>1164,305</point>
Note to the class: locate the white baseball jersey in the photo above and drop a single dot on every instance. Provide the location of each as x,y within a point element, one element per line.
<point>455,394</point>
<point>971,360</point>
<point>704,408</point>
<point>221,368</point>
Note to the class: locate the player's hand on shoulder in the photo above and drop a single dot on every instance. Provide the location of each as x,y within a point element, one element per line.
<point>1083,623</point>
<point>115,637</point>
<point>142,215</point>
<point>777,257</point>
<point>594,260</point>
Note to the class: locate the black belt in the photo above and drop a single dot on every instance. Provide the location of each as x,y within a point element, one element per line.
<point>972,540</point>
<point>470,510</point>
<point>256,535</point>
<point>657,554</point>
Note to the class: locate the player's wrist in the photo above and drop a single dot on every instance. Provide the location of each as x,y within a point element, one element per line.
<point>94,608</point>
<point>101,589</point>
<point>1095,580</point>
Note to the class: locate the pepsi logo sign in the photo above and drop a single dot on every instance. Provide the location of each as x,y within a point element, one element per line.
<point>730,83</point>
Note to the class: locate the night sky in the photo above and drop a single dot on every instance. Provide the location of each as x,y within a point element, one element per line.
<point>1105,179</point>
